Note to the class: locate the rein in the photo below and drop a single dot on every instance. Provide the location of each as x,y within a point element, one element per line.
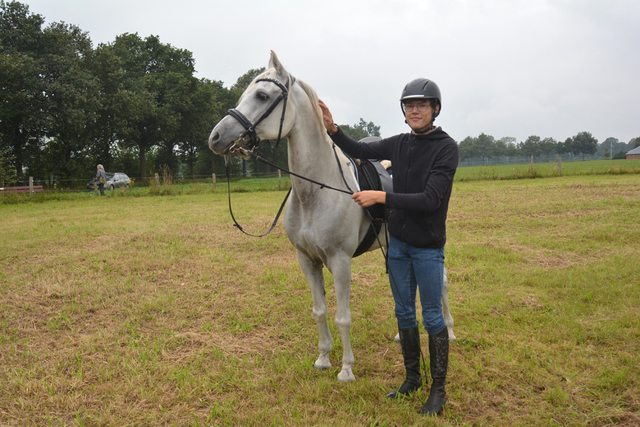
<point>250,138</point>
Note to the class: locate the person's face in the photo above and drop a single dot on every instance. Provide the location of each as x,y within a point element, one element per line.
<point>418,113</point>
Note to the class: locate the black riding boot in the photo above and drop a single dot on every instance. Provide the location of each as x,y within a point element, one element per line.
<point>410,343</point>
<point>439,359</point>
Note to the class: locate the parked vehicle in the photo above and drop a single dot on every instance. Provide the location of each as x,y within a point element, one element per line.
<point>118,180</point>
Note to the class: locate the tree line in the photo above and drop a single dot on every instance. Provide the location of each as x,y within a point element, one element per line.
<point>506,149</point>
<point>134,105</point>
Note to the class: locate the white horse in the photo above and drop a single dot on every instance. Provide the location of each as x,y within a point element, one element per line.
<point>325,226</point>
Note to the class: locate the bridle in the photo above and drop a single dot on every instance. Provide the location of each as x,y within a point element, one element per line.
<point>248,140</point>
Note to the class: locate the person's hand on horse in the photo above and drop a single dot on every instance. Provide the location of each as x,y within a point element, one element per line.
<point>369,198</point>
<point>327,118</point>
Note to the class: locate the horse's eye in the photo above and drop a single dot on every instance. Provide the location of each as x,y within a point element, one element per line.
<point>261,96</point>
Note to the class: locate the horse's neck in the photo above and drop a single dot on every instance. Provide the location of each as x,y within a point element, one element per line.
<point>309,153</point>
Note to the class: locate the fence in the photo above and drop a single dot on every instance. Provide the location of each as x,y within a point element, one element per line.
<point>84,184</point>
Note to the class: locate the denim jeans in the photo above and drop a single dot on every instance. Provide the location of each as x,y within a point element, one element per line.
<point>412,268</point>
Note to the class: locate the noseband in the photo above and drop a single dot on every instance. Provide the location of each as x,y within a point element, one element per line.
<point>249,138</point>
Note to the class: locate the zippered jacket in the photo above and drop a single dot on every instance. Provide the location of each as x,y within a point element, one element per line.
<point>423,169</point>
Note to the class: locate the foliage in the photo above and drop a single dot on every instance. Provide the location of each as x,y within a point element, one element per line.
<point>7,171</point>
<point>361,130</point>
<point>23,104</point>
<point>134,105</point>
<point>584,143</point>
<point>620,155</point>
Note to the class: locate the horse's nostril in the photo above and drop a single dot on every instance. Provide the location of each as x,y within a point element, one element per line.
<point>215,136</point>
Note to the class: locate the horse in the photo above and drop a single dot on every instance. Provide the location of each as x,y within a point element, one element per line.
<point>325,226</point>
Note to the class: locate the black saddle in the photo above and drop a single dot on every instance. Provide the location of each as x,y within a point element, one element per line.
<point>373,176</point>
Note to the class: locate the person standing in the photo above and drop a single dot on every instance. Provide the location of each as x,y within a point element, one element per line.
<point>424,163</point>
<point>101,178</point>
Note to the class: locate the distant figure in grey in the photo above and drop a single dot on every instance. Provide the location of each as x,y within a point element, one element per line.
<point>101,178</point>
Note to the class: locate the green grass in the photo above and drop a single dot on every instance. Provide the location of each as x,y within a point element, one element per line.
<point>155,310</point>
<point>547,170</point>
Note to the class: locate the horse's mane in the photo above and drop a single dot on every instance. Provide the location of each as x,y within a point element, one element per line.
<point>311,93</point>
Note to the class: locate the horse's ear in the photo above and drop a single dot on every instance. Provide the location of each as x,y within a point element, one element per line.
<point>274,62</point>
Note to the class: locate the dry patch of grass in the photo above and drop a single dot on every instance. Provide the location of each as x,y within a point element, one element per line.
<point>157,311</point>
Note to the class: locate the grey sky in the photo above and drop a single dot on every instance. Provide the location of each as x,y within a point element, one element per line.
<point>550,68</point>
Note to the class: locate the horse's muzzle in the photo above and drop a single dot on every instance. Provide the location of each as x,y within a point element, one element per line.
<point>217,145</point>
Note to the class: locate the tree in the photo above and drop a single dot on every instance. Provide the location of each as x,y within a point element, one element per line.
<point>7,171</point>
<point>72,102</point>
<point>584,143</point>
<point>531,147</point>
<point>361,130</point>
<point>204,111</point>
<point>485,146</point>
<point>548,146</point>
<point>636,142</point>
<point>606,153</point>
<point>565,147</point>
<point>508,147</point>
<point>620,155</point>
<point>23,112</point>
<point>150,85</point>
<point>467,149</point>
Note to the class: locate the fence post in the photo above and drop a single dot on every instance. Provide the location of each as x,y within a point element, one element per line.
<point>30,185</point>
<point>279,178</point>
<point>214,180</point>
<point>559,164</point>
<point>157,179</point>
<point>531,167</point>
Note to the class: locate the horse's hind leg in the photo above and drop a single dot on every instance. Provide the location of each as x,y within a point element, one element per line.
<point>448,320</point>
<point>340,267</point>
<point>312,270</point>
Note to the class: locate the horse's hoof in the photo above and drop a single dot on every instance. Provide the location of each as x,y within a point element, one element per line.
<point>346,376</point>
<point>321,368</point>
<point>397,338</point>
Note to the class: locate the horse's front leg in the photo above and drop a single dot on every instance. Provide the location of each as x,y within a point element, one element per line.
<point>340,267</point>
<point>312,270</point>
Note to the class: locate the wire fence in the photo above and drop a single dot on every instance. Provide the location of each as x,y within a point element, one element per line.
<point>87,184</point>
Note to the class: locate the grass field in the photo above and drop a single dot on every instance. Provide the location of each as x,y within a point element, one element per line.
<point>154,310</point>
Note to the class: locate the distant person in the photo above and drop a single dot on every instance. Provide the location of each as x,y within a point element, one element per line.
<point>101,178</point>
<point>424,163</point>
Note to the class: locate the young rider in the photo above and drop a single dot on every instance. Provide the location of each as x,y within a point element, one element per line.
<point>424,163</point>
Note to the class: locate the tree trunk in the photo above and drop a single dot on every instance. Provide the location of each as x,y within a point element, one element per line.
<point>143,161</point>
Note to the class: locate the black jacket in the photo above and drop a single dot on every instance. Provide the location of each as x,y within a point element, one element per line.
<point>423,170</point>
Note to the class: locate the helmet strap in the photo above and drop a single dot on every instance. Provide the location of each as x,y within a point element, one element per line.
<point>425,130</point>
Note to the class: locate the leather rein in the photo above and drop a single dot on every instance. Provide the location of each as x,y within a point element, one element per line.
<point>250,139</point>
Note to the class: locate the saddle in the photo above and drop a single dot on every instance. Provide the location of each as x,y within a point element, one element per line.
<point>372,175</point>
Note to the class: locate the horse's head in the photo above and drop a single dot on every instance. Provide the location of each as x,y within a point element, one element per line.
<point>262,113</point>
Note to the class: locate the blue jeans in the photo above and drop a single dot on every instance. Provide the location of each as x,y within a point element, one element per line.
<point>411,268</point>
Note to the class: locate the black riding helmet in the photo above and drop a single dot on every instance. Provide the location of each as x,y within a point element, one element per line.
<point>422,89</point>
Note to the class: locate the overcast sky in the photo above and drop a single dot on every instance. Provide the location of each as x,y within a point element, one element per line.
<point>517,68</point>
